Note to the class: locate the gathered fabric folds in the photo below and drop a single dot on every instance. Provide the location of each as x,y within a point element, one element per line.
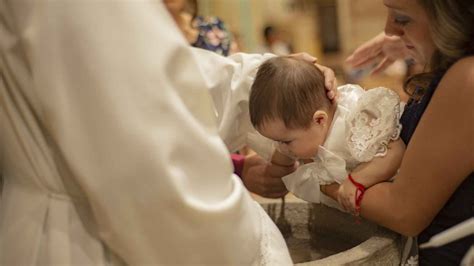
<point>114,141</point>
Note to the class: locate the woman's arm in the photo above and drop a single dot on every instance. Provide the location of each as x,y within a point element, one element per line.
<point>435,163</point>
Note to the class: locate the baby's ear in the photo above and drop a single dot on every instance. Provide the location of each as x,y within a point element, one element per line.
<point>320,117</point>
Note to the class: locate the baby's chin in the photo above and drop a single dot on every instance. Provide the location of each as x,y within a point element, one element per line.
<point>306,157</point>
<point>305,161</point>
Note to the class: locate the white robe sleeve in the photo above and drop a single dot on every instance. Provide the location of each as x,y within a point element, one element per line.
<point>230,90</point>
<point>126,103</point>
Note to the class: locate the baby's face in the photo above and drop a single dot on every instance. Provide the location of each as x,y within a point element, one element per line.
<point>302,143</point>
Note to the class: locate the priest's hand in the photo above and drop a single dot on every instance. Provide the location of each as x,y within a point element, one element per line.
<point>263,178</point>
<point>330,81</point>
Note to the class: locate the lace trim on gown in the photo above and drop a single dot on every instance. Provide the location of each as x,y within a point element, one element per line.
<point>373,123</point>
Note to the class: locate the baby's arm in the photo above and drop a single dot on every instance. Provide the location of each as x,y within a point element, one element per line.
<point>380,169</point>
<point>370,173</point>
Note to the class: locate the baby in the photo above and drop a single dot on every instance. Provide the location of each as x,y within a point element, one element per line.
<point>288,105</point>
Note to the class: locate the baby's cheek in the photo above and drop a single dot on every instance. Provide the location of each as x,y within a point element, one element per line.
<point>285,149</point>
<point>310,152</point>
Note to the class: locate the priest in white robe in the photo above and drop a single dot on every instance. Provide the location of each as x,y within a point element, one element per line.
<point>111,153</point>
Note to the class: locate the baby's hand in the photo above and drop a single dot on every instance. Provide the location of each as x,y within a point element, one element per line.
<point>346,196</point>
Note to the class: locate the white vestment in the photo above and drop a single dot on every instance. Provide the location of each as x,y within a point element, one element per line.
<point>110,148</point>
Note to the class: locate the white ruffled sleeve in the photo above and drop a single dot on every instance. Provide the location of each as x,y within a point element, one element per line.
<point>327,168</point>
<point>349,94</point>
<point>373,123</point>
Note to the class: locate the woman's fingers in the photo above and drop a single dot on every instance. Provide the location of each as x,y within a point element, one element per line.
<point>363,56</point>
<point>366,61</point>
<point>369,50</point>
<point>386,62</point>
<point>370,62</point>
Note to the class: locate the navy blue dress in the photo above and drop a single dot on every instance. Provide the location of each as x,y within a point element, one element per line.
<point>459,207</point>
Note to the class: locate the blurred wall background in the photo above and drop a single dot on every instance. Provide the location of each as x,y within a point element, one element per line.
<point>327,29</point>
<point>301,20</point>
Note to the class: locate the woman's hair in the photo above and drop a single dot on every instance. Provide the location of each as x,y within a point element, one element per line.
<point>452,30</point>
<point>288,89</point>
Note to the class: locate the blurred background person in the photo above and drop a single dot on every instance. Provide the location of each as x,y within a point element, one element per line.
<point>273,42</point>
<point>206,32</point>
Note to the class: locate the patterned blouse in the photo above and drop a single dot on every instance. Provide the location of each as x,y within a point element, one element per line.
<point>213,35</point>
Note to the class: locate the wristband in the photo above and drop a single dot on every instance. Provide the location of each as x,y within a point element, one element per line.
<point>238,162</point>
<point>360,190</point>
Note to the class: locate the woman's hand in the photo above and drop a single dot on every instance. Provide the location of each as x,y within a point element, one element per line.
<point>330,81</point>
<point>263,178</point>
<point>382,50</point>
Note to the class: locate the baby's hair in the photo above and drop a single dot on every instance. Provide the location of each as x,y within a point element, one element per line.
<point>288,89</point>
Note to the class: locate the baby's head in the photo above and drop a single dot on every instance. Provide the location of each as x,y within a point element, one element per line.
<point>288,104</point>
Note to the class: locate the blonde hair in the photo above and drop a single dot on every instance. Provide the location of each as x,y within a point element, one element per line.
<point>452,30</point>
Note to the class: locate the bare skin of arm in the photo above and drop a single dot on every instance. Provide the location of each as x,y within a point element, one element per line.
<point>378,170</point>
<point>437,160</point>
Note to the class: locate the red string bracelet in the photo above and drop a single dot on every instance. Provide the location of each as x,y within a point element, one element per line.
<point>360,190</point>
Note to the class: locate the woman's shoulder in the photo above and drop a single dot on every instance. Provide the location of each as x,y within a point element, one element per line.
<point>455,90</point>
<point>461,76</point>
<point>465,62</point>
